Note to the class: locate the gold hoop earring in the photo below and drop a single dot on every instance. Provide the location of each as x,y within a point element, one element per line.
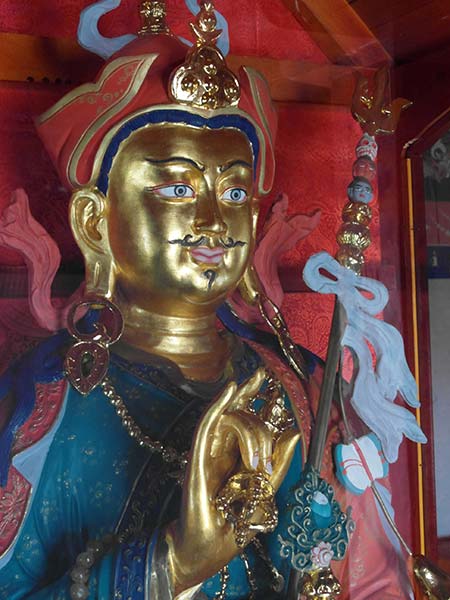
<point>87,361</point>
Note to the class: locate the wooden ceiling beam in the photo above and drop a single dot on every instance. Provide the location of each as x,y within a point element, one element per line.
<point>339,32</point>
<point>38,59</point>
<point>33,58</point>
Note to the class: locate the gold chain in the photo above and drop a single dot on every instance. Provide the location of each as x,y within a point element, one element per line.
<point>224,577</point>
<point>168,454</point>
<point>250,578</point>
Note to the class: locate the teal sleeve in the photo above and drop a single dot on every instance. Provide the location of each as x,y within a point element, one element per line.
<point>125,572</point>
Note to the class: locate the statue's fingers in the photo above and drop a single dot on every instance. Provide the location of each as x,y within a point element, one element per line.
<point>201,449</point>
<point>247,390</point>
<point>247,435</point>
<point>264,437</point>
<point>282,455</point>
<point>211,417</point>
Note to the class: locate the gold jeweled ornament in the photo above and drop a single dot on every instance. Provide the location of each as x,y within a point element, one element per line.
<point>248,491</point>
<point>353,236</point>
<point>274,413</point>
<point>243,495</point>
<point>153,16</point>
<point>320,584</point>
<point>204,80</point>
<point>86,362</point>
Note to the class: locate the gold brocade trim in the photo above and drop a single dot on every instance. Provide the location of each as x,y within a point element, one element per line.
<point>86,88</point>
<point>252,75</point>
<point>54,426</point>
<point>133,87</point>
<point>26,512</point>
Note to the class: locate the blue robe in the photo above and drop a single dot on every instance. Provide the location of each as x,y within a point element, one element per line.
<point>90,478</point>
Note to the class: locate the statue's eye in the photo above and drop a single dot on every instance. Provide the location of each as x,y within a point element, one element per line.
<point>178,190</point>
<point>236,195</point>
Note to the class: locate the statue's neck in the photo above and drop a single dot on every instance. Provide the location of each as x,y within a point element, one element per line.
<point>192,343</point>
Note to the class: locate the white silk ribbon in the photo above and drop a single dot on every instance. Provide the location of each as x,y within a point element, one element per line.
<point>383,373</point>
<point>90,38</point>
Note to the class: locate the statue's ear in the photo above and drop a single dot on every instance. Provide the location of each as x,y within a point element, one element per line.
<point>255,215</point>
<point>250,287</point>
<point>89,226</point>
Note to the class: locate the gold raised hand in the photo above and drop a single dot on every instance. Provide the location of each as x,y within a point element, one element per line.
<point>228,441</point>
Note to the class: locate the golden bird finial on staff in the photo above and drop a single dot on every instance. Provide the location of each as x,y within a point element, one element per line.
<point>371,107</point>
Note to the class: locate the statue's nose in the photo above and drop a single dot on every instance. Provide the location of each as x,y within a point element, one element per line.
<point>208,218</point>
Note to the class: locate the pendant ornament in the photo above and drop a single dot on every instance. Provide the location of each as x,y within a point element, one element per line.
<point>315,518</point>
<point>86,362</point>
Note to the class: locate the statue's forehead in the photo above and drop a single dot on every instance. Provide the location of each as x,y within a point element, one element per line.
<point>164,118</point>
<point>167,139</point>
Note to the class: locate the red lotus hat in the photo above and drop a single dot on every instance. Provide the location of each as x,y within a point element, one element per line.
<point>155,79</point>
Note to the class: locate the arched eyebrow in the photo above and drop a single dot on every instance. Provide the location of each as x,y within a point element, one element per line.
<point>235,163</point>
<point>176,159</point>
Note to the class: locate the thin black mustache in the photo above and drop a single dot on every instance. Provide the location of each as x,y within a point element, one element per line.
<point>189,242</point>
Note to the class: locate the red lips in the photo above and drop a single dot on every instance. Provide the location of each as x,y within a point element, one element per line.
<point>206,255</point>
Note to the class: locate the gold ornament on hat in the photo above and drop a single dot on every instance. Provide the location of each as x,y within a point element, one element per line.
<point>153,15</point>
<point>204,80</point>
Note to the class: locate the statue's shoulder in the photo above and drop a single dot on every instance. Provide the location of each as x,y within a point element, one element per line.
<point>265,342</point>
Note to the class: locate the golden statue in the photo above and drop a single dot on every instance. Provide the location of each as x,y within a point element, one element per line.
<point>166,467</point>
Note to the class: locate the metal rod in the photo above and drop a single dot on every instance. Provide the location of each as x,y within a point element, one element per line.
<point>389,518</point>
<point>319,435</point>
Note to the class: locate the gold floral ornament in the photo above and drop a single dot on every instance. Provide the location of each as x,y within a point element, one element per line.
<point>204,80</point>
<point>153,15</point>
<point>371,108</point>
<point>274,413</point>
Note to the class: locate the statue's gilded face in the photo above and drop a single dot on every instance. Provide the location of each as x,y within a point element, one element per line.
<point>180,208</point>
